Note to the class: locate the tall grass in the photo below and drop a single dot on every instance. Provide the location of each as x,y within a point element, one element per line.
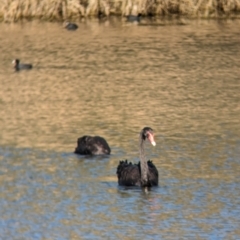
<point>13,10</point>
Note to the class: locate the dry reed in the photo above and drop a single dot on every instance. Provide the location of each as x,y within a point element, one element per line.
<point>14,10</point>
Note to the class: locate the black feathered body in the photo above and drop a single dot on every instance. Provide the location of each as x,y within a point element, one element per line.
<point>71,26</point>
<point>88,145</point>
<point>143,174</point>
<point>21,66</point>
<point>134,18</point>
<point>130,174</point>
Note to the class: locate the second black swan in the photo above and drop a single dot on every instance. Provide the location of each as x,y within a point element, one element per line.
<point>143,174</point>
<point>96,145</point>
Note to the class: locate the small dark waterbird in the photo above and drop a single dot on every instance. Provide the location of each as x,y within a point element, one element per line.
<point>70,26</point>
<point>21,66</point>
<point>134,18</point>
<point>88,145</point>
<point>143,174</point>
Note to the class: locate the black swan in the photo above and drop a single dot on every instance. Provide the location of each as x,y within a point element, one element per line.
<point>88,145</point>
<point>143,174</point>
<point>19,66</point>
<point>70,26</point>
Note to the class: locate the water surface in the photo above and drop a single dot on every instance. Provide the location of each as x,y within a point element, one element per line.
<point>112,79</point>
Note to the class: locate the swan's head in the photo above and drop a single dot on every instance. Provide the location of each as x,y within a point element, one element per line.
<point>15,61</point>
<point>147,133</point>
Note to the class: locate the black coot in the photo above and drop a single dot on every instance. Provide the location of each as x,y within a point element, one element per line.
<point>134,18</point>
<point>20,66</point>
<point>70,26</point>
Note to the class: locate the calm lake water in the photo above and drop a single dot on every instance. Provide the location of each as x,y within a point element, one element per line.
<point>112,79</point>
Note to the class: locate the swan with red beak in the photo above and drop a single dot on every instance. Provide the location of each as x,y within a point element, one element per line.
<point>143,174</point>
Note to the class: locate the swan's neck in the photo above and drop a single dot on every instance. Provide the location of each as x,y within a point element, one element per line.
<point>143,164</point>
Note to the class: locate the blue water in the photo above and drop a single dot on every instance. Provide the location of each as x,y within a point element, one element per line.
<point>50,195</point>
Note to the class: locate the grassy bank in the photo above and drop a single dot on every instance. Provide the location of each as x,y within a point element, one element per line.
<point>14,10</point>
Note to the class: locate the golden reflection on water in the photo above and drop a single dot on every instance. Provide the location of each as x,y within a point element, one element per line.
<point>114,80</point>
<point>183,81</point>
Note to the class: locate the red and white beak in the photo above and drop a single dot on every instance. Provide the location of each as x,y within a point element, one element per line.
<point>151,139</point>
